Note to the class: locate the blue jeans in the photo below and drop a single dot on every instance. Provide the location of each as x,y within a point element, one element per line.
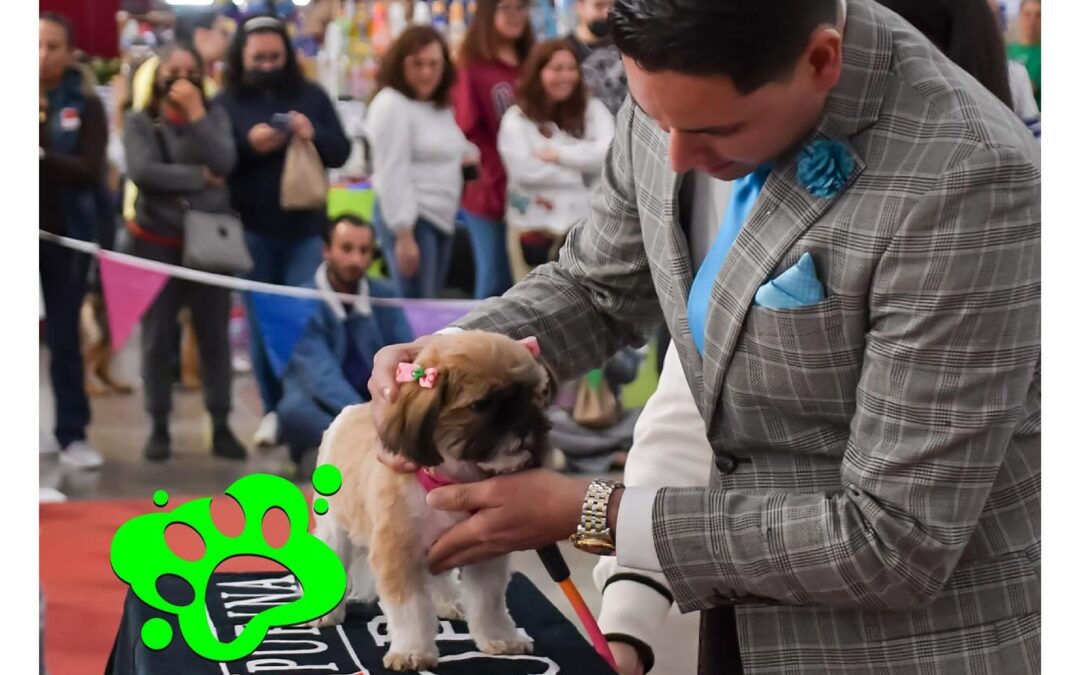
<point>302,423</point>
<point>278,260</point>
<point>435,249</point>
<point>492,263</point>
<point>63,275</point>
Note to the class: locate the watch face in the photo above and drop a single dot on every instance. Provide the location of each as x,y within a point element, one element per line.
<point>593,545</point>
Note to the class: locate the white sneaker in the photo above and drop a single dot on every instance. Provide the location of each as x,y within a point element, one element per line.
<point>47,444</point>
<point>267,433</point>
<point>79,455</point>
<point>48,495</point>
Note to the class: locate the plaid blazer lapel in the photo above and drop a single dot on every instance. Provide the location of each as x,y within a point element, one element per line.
<point>675,258</point>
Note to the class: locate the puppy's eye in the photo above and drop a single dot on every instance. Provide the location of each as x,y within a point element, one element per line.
<point>482,404</point>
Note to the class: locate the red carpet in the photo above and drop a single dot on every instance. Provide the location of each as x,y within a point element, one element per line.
<point>84,599</point>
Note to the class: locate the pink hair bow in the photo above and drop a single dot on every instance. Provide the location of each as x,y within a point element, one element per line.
<point>414,372</point>
<point>532,344</point>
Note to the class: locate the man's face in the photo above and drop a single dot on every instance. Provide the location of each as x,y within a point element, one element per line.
<point>717,130</point>
<point>348,255</point>
<point>1030,22</point>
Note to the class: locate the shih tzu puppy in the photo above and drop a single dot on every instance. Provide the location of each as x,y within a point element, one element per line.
<point>470,407</point>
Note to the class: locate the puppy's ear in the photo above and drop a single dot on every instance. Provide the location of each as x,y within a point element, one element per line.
<point>409,426</point>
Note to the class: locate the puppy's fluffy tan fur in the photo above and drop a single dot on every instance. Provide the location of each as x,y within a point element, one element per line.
<point>484,415</point>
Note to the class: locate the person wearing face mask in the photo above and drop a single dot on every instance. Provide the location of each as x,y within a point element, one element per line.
<point>208,34</point>
<point>417,151</point>
<point>553,144</point>
<point>269,101</point>
<point>497,43</point>
<point>601,64</point>
<point>179,150</point>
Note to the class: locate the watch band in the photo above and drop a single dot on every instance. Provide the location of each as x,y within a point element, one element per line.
<point>594,510</point>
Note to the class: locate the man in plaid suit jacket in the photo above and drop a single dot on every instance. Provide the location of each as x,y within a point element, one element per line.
<point>875,501</point>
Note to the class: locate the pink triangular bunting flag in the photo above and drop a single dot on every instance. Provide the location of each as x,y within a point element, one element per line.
<point>128,292</point>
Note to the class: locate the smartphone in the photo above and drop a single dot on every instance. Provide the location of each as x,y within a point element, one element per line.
<point>470,172</point>
<point>281,122</point>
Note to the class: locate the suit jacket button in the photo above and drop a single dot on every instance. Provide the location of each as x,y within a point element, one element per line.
<point>726,463</point>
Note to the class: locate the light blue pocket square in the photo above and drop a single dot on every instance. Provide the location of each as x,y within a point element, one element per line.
<point>798,286</point>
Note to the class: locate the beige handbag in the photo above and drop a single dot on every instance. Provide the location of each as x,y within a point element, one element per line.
<point>304,185</point>
<point>596,406</point>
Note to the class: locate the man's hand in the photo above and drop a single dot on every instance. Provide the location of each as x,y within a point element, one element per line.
<point>265,139</point>
<point>188,98</point>
<point>302,126</point>
<point>517,512</point>
<point>627,659</point>
<point>407,254</point>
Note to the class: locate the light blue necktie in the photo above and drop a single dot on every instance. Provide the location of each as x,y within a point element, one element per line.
<point>744,193</point>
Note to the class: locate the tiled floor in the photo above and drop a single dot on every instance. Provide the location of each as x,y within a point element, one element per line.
<point>120,427</point>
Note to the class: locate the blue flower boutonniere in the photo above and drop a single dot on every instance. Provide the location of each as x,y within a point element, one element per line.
<point>825,167</point>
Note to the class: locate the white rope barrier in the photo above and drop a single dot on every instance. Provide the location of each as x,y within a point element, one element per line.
<point>235,283</point>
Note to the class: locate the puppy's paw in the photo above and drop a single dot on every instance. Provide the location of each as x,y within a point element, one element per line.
<point>518,644</point>
<point>334,618</point>
<point>407,661</point>
<point>449,609</point>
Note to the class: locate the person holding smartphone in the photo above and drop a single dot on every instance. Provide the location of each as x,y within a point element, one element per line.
<point>421,158</point>
<point>269,101</point>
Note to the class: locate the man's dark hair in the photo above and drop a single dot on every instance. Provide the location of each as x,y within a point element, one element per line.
<point>189,22</point>
<point>753,42</point>
<point>63,22</point>
<point>293,78</point>
<point>349,218</point>
<point>411,41</point>
<point>967,32</point>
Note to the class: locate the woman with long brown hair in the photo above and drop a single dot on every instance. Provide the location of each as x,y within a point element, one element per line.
<point>417,151</point>
<point>552,143</point>
<point>498,42</point>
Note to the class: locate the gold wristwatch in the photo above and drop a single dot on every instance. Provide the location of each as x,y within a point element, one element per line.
<point>593,534</point>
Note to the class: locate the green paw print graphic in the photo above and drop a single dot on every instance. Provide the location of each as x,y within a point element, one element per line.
<point>141,556</point>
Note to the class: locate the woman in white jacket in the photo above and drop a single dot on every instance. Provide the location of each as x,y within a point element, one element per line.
<point>553,144</point>
<point>417,151</point>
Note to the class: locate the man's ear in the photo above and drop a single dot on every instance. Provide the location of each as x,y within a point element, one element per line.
<point>410,423</point>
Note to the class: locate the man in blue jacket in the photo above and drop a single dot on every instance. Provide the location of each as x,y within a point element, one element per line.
<point>331,363</point>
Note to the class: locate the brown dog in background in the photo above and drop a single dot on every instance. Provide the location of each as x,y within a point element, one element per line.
<point>97,348</point>
<point>482,413</point>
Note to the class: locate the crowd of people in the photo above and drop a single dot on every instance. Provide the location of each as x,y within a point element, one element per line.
<point>503,140</point>
<point>507,139</point>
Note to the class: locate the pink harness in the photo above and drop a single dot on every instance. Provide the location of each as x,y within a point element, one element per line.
<point>430,481</point>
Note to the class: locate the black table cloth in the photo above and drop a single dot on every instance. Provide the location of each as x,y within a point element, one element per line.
<point>355,647</point>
